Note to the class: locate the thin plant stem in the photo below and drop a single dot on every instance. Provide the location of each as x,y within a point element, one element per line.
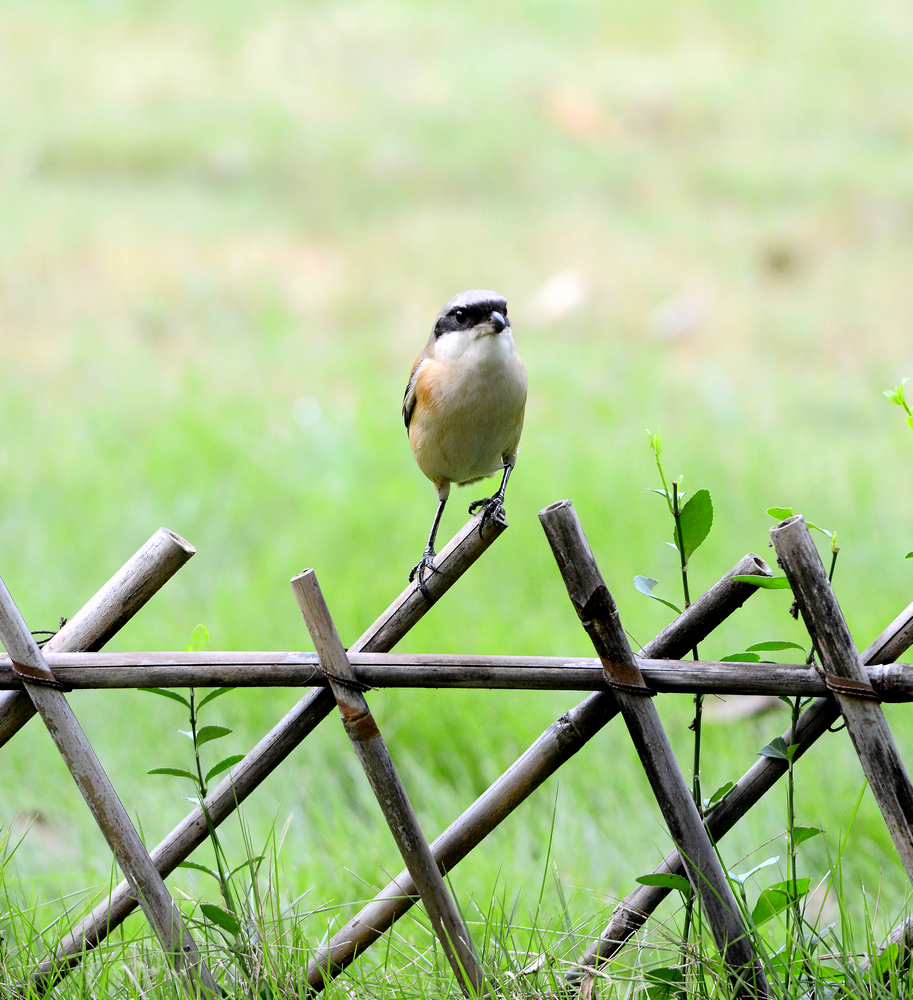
<point>224,886</point>
<point>675,508</point>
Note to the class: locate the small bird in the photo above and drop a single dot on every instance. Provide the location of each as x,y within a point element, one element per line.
<point>464,405</point>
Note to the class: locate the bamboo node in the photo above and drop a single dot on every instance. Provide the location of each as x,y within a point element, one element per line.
<point>360,724</point>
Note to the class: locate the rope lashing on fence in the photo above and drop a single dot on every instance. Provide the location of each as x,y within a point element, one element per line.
<point>848,686</point>
<point>38,673</point>
<point>352,683</point>
<point>621,677</point>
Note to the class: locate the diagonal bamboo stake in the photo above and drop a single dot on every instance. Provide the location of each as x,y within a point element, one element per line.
<point>865,721</point>
<point>105,614</point>
<point>388,789</point>
<point>597,612</point>
<point>461,552</point>
<point>112,819</point>
<point>632,912</point>
<point>552,749</point>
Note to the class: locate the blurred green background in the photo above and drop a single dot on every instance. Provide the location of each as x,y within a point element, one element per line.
<point>225,231</point>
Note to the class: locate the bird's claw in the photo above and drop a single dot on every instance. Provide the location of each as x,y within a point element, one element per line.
<point>492,507</point>
<point>418,571</point>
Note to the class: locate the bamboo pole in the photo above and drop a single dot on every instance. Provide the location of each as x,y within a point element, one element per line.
<point>632,912</point>
<point>119,671</point>
<point>552,749</point>
<point>460,553</point>
<point>599,615</point>
<point>865,721</point>
<point>112,819</point>
<point>107,612</point>
<point>388,789</point>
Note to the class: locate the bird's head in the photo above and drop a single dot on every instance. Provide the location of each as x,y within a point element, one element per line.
<point>476,313</point>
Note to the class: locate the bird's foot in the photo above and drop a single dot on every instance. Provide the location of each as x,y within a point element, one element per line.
<point>417,574</point>
<point>492,508</point>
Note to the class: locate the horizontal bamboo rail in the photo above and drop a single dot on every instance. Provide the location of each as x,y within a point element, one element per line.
<point>893,682</point>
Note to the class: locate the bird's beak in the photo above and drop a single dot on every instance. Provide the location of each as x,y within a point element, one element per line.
<point>498,322</point>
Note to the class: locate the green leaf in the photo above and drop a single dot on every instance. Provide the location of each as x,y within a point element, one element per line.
<point>199,868</point>
<point>742,879</point>
<point>214,694</point>
<point>645,585</point>
<point>177,772</point>
<point>780,513</point>
<point>656,442</point>
<point>198,641</point>
<point>224,765</point>
<point>247,864</point>
<point>208,733</point>
<point>666,983</point>
<point>769,904</point>
<point>898,396</point>
<point>667,880</point>
<point>795,890</point>
<point>909,555</point>
<point>764,582</point>
<point>695,521</point>
<point>221,917</point>
<point>720,794</point>
<point>741,658</point>
<point>803,833</point>
<point>882,965</point>
<point>774,645</point>
<point>777,749</point>
<point>829,978</point>
<point>910,421</point>
<point>167,694</point>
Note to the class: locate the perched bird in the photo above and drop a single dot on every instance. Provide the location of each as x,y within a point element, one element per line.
<point>464,405</point>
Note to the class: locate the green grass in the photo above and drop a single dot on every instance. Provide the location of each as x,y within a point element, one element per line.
<point>225,231</point>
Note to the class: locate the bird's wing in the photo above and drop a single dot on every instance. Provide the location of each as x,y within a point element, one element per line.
<point>409,397</point>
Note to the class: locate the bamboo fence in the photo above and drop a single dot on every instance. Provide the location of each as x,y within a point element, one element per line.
<point>846,683</point>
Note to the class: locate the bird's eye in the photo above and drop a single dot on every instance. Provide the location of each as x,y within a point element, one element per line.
<point>459,315</point>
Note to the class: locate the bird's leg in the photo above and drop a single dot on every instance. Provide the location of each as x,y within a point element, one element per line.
<point>427,560</point>
<point>492,506</point>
